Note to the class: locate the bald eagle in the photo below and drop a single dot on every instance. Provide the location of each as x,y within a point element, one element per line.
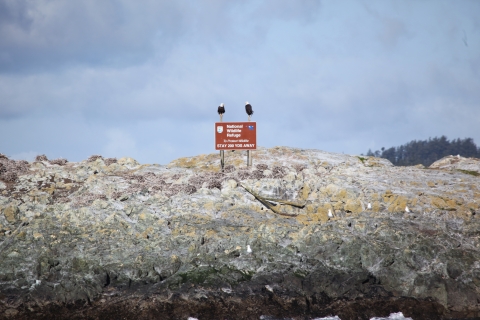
<point>221,110</point>
<point>248,109</point>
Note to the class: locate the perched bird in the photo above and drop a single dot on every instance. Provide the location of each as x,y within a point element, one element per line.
<point>221,110</point>
<point>269,288</point>
<point>369,206</point>
<point>248,109</point>
<point>249,250</point>
<point>407,210</point>
<point>330,215</point>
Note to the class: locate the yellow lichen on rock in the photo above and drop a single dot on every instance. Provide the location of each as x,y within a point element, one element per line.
<point>376,206</point>
<point>128,161</point>
<point>37,235</point>
<point>375,197</point>
<point>190,162</point>
<point>312,216</point>
<point>413,202</point>
<point>438,202</point>
<point>11,213</point>
<point>353,206</point>
<point>209,205</point>
<point>473,205</point>
<point>304,219</point>
<point>397,204</point>
<point>50,189</point>
<point>340,195</point>
<point>21,235</point>
<point>210,234</point>
<point>463,212</point>
<point>387,196</point>
<point>322,212</point>
<point>451,204</point>
<point>338,205</point>
<point>305,192</point>
<point>310,208</point>
<point>237,162</point>
<point>330,190</point>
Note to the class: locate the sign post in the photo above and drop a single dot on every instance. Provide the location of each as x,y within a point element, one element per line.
<point>236,136</point>
<point>222,152</point>
<point>249,158</point>
<point>222,159</point>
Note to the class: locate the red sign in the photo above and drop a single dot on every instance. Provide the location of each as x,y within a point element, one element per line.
<point>235,135</point>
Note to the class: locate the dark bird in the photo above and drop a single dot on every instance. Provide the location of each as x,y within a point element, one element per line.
<point>248,109</point>
<point>221,110</point>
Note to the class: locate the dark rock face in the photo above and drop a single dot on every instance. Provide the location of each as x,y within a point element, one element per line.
<point>251,306</point>
<point>157,242</point>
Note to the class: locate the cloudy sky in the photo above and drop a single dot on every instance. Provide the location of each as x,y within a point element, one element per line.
<point>144,78</point>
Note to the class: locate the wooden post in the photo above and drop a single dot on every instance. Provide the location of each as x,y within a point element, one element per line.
<point>222,159</point>
<point>249,155</point>
<point>222,152</point>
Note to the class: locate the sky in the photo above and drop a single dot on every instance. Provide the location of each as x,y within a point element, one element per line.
<point>144,79</point>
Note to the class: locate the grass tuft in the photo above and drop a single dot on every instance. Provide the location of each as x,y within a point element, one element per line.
<point>473,173</point>
<point>362,159</point>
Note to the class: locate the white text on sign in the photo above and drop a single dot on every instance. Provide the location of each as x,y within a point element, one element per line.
<point>236,145</point>
<point>236,135</point>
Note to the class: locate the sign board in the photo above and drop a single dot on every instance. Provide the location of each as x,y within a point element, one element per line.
<point>235,135</point>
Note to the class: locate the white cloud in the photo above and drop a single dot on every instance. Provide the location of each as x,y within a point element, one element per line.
<point>120,144</point>
<point>318,74</point>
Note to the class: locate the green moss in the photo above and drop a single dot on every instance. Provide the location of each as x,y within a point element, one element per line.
<point>473,173</point>
<point>300,273</point>
<point>80,265</point>
<point>247,274</point>
<point>211,275</point>
<point>199,275</point>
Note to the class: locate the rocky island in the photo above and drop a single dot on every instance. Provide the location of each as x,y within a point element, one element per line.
<point>302,234</point>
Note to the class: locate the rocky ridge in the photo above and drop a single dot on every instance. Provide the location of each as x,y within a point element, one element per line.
<point>458,163</point>
<point>106,238</point>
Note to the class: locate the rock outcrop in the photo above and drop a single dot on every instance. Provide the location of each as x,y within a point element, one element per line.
<point>459,163</point>
<point>116,239</point>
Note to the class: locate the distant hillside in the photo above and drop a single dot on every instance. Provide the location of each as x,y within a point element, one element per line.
<point>427,151</point>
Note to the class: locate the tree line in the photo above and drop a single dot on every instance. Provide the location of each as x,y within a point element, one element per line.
<point>428,151</point>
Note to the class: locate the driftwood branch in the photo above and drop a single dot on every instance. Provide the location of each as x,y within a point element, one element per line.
<point>266,203</point>
<point>290,203</point>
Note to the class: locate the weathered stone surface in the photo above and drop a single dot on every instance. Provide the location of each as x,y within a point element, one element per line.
<point>11,214</point>
<point>90,240</point>
<point>471,165</point>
